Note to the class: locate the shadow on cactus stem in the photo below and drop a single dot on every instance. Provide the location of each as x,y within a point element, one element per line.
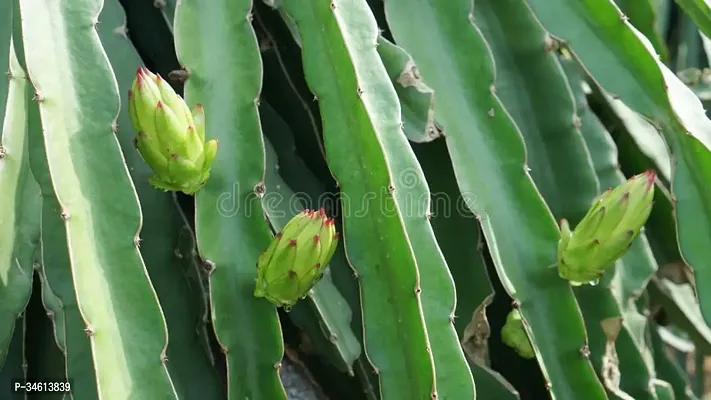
<point>43,359</point>
<point>332,383</point>
<point>281,57</point>
<point>149,35</point>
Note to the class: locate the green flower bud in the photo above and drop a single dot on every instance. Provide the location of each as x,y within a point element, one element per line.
<point>607,230</point>
<point>169,137</point>
<point>514,335</point>
<point>296,258</point>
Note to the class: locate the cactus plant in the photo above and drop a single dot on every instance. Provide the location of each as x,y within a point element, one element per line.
<point>439,141</point>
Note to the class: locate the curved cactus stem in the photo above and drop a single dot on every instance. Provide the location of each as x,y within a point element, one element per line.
<point>19,198</point>
<point>97,202</point>
<point>486,146</point>
<point>324,314</point>
<point>416,98</point>
<point>623,62</point>
<point>167,244</point>
<point>343,35</point>
<point>341,307</point>
<point>15,362</point>
<point>229,220</point>
<point>601,302</point>
<point>667,368</point>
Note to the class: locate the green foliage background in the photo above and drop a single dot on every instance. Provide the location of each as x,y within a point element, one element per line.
<point>446,138</point>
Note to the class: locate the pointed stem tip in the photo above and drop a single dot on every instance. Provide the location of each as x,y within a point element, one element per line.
<point>141,73</point>
<point>651,176</point>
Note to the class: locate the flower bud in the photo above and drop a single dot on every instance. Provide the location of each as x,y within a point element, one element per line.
<point>514,335</point>
<point>170,138</point>
<point>607,230</point>
<point>296,258</point>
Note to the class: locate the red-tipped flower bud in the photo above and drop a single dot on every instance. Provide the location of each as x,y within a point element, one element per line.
<point>170,138</point>
<point>296,258</point>
<point>606,231</point>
